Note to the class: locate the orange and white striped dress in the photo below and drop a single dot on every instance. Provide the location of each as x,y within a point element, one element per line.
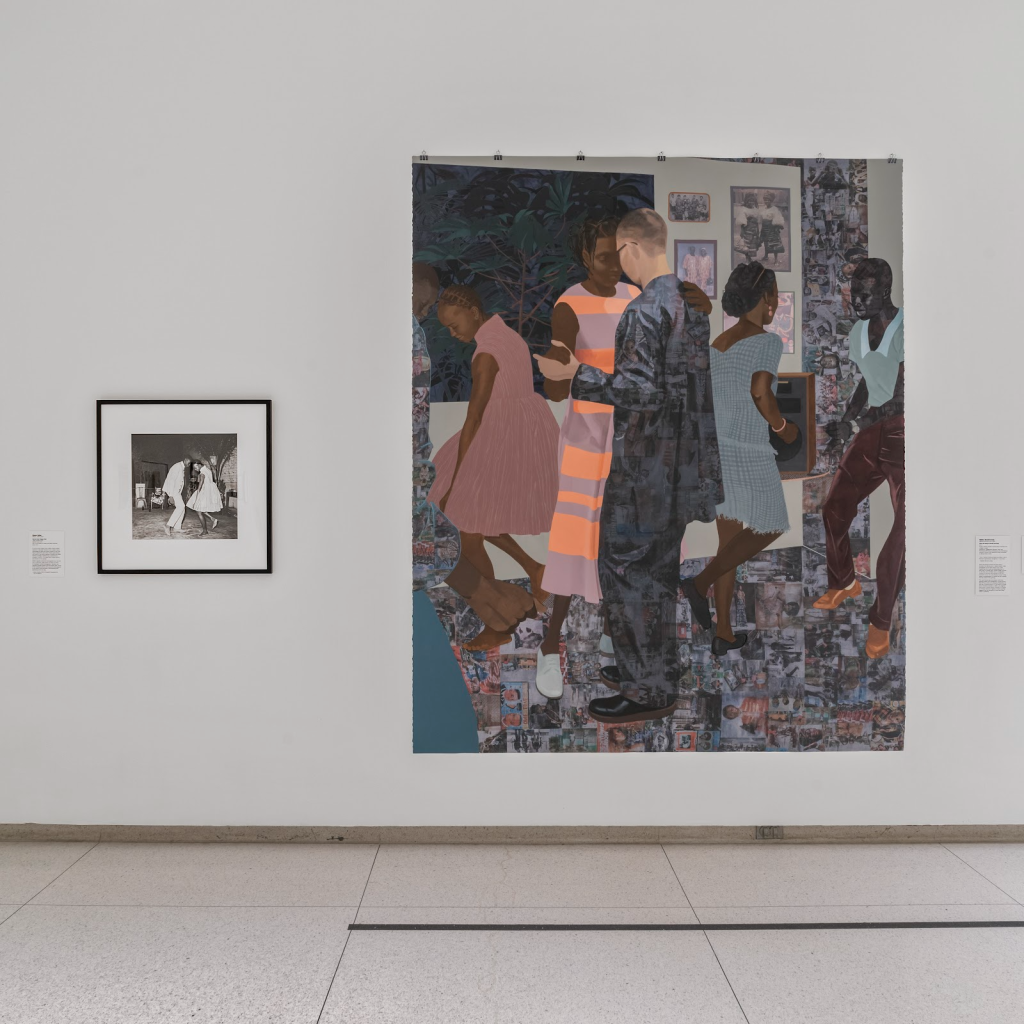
<point>584,451</point>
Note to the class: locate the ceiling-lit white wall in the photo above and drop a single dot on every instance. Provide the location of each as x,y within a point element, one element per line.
<point>212,200</point>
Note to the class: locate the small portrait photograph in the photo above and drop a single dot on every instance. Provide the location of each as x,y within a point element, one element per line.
<point>697,262</point>
<point>742,717</point>
<point>685,740</point>
<point>184,486</point>
<point>689,207</point>
<point>778,605</point>
<point>784,323</point>
<point>761,227</point>
<point>529,635</point>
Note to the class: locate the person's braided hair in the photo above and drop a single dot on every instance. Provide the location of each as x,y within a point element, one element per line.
<point>461,295</point>
<point>747,285</point>
<point>583,238</point>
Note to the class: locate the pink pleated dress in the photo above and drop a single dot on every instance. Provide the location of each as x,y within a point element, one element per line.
<point>508,482</point>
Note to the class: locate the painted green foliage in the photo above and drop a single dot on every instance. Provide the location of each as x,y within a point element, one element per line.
<point>505,232</point>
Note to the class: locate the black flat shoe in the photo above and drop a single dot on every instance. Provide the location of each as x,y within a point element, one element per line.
<point>698,605</point>
<point>610,677</point>
<point>720,646</point>
<point>621,709</point>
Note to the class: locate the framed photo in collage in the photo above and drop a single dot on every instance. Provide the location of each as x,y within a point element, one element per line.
<point>689,207</point>
<point>761,227</point>
<point>696,261</point>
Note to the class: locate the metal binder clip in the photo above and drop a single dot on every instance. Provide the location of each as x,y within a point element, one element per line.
<point>423,155</point>
<point>819,159</point>
<point>497,154</point>
<point>661,157</point>
<point>892,158</point>
<point>580,156</point>
<point>757,158</point>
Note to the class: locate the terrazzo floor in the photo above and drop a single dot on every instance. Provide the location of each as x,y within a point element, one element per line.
<point>221,933</point>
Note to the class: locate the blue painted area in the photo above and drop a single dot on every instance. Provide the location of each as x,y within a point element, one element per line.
<point>443,720</point>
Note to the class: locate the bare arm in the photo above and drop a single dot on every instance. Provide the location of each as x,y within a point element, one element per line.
<point>764,398</point>
<point>767,405</point>
<point>842,430</point>
<point>485,370</point>
<point>565,327</point>
<point>857,402</point>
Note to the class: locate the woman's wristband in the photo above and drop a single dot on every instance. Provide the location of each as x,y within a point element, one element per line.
<point>779,430</point>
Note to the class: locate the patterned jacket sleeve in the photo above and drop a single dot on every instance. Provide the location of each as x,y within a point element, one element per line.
<point>709,491</point>
<point>637,383</point>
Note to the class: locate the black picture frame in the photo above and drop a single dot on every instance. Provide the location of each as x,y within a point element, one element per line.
<point>100,403</point>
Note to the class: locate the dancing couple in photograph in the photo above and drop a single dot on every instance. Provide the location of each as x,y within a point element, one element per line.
<point>204,500</point>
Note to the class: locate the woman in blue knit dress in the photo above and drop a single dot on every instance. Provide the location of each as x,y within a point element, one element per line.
<point>744,376</point>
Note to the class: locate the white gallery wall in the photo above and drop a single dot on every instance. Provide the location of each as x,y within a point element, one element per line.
<point>212,200</point>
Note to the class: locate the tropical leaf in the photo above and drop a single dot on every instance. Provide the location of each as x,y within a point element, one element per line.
<point>560,196</point>
<point>505,232</point>
<point>439,252</point>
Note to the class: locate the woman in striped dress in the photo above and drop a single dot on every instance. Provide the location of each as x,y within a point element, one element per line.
<point>584,320</point>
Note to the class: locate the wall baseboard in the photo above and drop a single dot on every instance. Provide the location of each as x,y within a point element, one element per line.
<point>512,834</point>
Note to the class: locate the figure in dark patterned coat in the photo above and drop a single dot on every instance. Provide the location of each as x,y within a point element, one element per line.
<point>665,468</point>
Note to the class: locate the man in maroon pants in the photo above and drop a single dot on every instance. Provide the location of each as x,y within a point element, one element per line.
<point>873,424</point>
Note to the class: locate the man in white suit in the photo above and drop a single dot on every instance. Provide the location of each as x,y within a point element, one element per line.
<point>173,487</point>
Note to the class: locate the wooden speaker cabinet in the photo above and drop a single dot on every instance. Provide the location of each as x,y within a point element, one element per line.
<point>795,396</point>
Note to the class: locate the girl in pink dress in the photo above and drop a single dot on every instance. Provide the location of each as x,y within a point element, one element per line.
<point>498,475</point>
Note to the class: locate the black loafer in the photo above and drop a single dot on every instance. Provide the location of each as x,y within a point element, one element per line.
<point>698,605</point>
<point>720,646</point>
<point>610,677</point>
<point>621,709</point>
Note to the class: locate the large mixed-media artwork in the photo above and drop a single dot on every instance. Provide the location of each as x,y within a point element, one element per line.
<point>607,556</point>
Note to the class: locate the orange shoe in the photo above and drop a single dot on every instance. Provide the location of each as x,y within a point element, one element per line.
<point>832,599</point>
<point>878,642</point>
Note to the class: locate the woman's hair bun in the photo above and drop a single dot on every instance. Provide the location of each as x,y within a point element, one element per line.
<point>734,304</point>
<point>747,285</point>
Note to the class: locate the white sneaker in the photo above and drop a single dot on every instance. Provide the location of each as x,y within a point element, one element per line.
<point>549,675</point>
<point>605,646</point>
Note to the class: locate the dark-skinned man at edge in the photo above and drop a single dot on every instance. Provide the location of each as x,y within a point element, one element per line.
<point>873,426</point>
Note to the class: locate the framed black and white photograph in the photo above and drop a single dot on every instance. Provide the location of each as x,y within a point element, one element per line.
<point>689,207</point>
<point>183,486</point>
<point>761,220</point>
<point>697,262</point>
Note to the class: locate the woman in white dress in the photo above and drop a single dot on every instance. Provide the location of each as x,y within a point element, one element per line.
<point>205,499</point>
